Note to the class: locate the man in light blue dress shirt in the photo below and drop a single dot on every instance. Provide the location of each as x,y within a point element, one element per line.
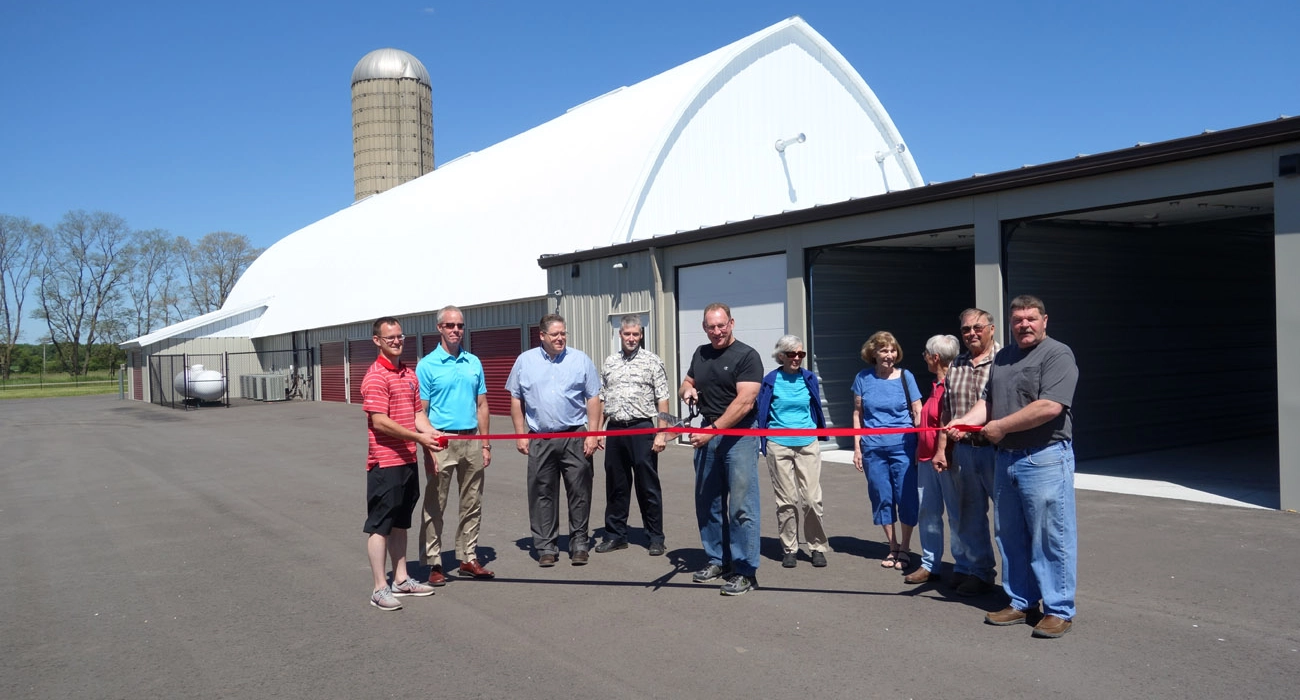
<point>556,389</point>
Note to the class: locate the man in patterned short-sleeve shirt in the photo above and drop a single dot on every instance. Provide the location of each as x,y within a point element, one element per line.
<point>633,391</point>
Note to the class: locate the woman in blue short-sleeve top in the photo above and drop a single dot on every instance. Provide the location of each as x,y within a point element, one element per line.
<point>885,396</point>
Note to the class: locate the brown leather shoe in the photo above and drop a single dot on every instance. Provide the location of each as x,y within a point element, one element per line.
<point>472,569</point>
<point>1010,616</point>
<point>547,560</point>
<point>580,557</point>
<point>436,578</point>
<point>1051,627</point>
<point>920,576</point>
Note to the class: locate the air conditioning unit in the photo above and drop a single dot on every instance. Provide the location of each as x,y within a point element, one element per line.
<point>259,387</point>
<point>276,388</point>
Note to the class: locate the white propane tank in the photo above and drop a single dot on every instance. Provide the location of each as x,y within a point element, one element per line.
<point>199,383</point>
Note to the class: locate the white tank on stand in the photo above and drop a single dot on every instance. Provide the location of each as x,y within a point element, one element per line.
<point>199,383</point>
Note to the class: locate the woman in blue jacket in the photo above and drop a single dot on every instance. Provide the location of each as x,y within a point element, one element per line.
<point>790,398</point>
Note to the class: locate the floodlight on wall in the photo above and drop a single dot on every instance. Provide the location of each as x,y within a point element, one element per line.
<point>898,150</point>
<point>620,265</point>
<point>782,143</point>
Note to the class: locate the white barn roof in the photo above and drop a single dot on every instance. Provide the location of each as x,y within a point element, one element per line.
<point>691,147</point>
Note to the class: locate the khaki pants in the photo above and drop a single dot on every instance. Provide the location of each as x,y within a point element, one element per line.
<point>796,476</point>
<point>462,459</point>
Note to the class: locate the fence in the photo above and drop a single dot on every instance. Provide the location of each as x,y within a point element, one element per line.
<point>272,375</point>
<point>195,381</point>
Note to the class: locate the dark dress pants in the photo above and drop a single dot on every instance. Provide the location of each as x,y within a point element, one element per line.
<point>630,460</point>
<point>549,461</point>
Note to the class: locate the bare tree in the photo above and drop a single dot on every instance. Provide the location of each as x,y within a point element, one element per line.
<point>150,279</point>
<point>213,266</point>
<point>80,281</point>
<point>21,243</point>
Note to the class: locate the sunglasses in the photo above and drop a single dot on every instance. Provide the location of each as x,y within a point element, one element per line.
<point>457,326</point>
<point>796,355</point>
<point>978,328</point>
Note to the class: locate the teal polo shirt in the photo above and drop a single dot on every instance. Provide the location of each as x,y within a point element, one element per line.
<point>452,386</point>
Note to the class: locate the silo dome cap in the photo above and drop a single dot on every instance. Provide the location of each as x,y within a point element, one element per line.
<point>389,63</point>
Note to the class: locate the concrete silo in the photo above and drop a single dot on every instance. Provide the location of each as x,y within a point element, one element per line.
<point>392,121</point>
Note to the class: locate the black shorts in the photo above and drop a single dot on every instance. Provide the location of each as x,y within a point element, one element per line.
<point>391,495</point>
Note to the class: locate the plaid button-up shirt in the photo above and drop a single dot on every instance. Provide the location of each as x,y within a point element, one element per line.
<point>632,387</point>
<point>965,384</point>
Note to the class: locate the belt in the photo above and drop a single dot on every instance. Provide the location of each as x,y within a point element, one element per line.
<point>975,440</point>
<point>626,423</point>
<point>570,429</point>
<point>467,431</point>
<point>1029,450</point>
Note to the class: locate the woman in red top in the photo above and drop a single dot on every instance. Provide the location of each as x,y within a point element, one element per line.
<point>936,489</point>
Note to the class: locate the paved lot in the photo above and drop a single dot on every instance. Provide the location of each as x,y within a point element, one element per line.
<point>153,553</point>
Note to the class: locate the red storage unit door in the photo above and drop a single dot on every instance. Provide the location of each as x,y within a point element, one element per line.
<point>137,377</point>
<point>361,354</point>
<point>534,336</point>
<point>497,350</point>
<point>333,383</point>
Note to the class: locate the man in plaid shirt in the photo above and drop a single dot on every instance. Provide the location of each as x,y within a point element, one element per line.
<point>973,457</point>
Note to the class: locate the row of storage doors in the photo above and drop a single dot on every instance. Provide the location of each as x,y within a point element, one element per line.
<point>344,363</point>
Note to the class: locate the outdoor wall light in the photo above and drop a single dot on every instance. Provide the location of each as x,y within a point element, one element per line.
<point>620,265</point>
<point>782,143</point>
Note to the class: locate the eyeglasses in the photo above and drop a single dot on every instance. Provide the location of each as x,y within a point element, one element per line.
<point>796,355</point>
<point>557,334</point>
<point>457,326</point>
<point>393,339</point>
<point>978,328</point>
<point>718,326</point>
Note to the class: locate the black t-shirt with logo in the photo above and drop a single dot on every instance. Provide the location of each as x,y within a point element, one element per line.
<point>716,373</point>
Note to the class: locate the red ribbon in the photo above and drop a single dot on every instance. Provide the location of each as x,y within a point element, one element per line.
<point>687,430</point>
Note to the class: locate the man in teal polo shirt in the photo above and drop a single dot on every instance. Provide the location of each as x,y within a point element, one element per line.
<point>454,395</point>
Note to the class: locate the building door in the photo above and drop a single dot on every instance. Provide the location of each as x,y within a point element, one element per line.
<point>497,349</point>
<point>361,354</point>
<point>333,381</point>
<point>754,288</point>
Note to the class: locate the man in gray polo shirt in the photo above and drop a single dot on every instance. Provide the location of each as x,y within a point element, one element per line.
<point>1025,411</point>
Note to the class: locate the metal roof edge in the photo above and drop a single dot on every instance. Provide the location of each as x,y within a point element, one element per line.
<point>1184,148</point>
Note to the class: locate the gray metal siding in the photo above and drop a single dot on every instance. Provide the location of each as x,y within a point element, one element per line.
<point>599,292</point>
<point>1173,328</point>
<point>854,292</point>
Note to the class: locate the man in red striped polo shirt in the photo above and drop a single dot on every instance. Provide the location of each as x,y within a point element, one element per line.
<point>391,395</point>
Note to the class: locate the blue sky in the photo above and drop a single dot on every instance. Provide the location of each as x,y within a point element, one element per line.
<point>235,116</point>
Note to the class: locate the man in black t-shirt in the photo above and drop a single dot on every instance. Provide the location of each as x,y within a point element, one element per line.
<point>723,379</point>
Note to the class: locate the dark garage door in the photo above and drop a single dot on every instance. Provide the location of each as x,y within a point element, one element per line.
<point>1173,328</point>
<point>856,291</point>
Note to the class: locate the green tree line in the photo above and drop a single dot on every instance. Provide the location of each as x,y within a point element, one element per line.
<point>91,282</point>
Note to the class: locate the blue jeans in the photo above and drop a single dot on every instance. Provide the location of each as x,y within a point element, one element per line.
<point>973,468</point>
<point>726,501</point>
<point>937,493</point>
<point>891,482</point>
<point>1037,528</point>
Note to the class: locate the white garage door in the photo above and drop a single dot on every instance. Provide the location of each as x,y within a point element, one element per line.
<point>754,288</point>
